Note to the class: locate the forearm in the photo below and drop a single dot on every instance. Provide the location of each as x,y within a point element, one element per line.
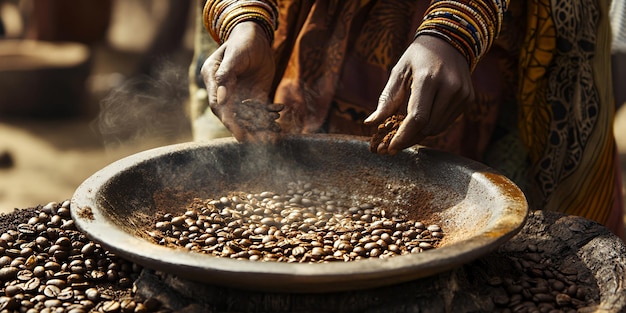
<point>221,16</point>
<point>470,26</point>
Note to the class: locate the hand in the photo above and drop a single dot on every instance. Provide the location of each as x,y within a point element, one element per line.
<point>436,79</point>
<point>241,71</point>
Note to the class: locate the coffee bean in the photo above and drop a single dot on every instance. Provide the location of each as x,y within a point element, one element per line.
<point>110,306</point>
<point>8,273</point>
<point>12,290</point>
<point>27,229</point>
<point>75,309</point>
<point>88,249</point>
<point>281,225</point>
<point>24,275</point>
<point>53,303</point>
<point>92,294</point>
<point>51,291</point>
<point>8,303</point>
<point>60,283</point>
<point>128,305</point>
<point>53,266</point>
<point>425,245</point>
<point>13,252</point>
<point>65,294</point>
<point>5,260</point>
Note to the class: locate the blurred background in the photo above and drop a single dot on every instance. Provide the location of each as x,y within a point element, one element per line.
<point>85,83</point>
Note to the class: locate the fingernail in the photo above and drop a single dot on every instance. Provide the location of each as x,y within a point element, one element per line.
<point>221,94</point>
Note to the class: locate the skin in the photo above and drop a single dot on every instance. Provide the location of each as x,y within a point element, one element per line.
<point>242,68</point>
<point>431,83</point>
<point>436,79</point>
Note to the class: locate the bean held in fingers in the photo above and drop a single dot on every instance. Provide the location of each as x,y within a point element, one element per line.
<point>386,130</point>
<point>258,119</point>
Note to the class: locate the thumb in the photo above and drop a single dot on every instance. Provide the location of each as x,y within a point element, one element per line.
<point>225,78</point>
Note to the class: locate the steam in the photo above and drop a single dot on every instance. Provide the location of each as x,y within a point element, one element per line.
<point>147,110</point>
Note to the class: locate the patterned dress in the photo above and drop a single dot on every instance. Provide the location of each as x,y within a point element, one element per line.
<point>544,109</point>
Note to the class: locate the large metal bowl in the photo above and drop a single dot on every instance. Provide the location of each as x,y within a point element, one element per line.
<point>478,208</point>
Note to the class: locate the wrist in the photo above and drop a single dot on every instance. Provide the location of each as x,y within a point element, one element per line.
<point>221,17</point>
<point>251,30</point>
<point>444,49</point>
<point>469,26</point>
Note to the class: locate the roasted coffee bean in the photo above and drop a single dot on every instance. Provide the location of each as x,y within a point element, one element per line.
<point>65,294</point>
<point>8,273</point>
<point>51,291</point>
<point>61,283</point>
<point>8,303</point>
<point>14,253</point>
<point>287,227</point>
<point>128,305</point>
<point>12,290</point>
<point>53,303</point>
<point>26,229</point>
<point>5,260</point>
<point>32,284</point>
<point>24,275</point>
<point>109,306</point>
<point>92,294</point>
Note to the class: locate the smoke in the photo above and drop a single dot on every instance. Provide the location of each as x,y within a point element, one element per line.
<point>146,110</point>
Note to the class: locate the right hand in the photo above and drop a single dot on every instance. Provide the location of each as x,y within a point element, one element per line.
<point>242,69</point>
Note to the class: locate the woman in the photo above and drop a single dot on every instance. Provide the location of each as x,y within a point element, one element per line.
<point>523,86</point>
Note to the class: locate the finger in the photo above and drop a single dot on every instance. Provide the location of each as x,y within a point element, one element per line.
<point>419,110</point>
<point>209,68</point>
<point>275,107</point>
<point>221,94</point>
<point>392,96</point>
<point>226,76</point>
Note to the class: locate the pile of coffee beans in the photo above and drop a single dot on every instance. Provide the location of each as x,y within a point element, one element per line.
<point>534,284</point>
<point>305,224</point>
<point>46,265</point>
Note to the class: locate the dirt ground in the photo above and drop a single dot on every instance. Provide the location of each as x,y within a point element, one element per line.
<point>46,159</point>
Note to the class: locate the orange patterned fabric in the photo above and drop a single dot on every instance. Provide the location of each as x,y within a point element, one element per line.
<point>544,109</point>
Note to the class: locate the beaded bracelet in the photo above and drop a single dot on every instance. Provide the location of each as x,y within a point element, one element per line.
<point>470,26</point>
<point>249,14</point>
<point>221,16</point>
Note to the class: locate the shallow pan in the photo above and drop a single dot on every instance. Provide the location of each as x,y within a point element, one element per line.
<point>478,208</point>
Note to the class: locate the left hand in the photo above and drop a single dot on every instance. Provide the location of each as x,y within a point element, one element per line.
<point>436,79</point>
<point>238,76</point>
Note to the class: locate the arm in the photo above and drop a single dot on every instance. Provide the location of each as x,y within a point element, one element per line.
<point>433,77</point>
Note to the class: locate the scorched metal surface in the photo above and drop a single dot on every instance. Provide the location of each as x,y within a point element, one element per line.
<point>478,208</point>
